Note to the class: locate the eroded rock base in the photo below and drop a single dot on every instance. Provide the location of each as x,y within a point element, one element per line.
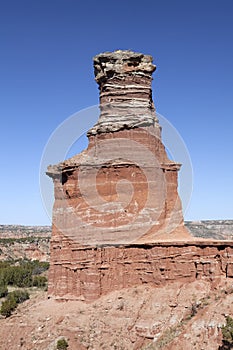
<point>95,271</point>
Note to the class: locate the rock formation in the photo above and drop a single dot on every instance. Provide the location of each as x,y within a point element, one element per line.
<point>93,272</point>
<point>122,189</point>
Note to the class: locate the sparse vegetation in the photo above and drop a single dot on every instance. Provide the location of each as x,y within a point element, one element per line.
<point>23,273</point>
<point>7,307</point>
<point>3,290</point>
<point>172,332</point>
<point>194,308</point>
<point>18,295</point>
<point>62,344</point>
<point>168,335</point>
<point>13,299</point>
<point>31,239</point>
<point>39,281</point>
<point>227,334</point>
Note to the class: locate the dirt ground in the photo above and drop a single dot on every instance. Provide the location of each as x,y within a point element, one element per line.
<point>178,316</point>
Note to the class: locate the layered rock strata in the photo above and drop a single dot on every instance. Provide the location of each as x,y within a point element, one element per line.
<point>95,271</point>
<point>124,79</point>
<point>123,188</point>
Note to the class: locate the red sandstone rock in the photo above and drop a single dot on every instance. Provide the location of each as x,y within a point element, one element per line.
<point>90,272</point>
<point>121,190</point>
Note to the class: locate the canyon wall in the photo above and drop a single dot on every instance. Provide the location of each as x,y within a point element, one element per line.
<point>89,272</point>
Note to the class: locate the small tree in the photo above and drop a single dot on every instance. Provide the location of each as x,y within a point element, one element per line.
<point>62,344</point>
<point>39,281</point>
<point>227,334</point>
<point>7,307</point>
<point>13,299</point>
<point>19,296</point>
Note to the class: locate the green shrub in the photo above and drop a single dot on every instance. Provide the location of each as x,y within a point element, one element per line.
<point>62,344</point>
<point>4,264</point>
<point>39,281</point>
<point>3,290</point>
<point>22,274</point>
<point>13,299</point>
<point>18,295</point>
<point>16,275</point>
<point>227,334</point>
<point>7,307</point>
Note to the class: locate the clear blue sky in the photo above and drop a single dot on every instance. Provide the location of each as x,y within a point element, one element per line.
<point>46,75</point>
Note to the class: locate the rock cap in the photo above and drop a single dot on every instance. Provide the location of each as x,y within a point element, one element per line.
<point>108,64</point>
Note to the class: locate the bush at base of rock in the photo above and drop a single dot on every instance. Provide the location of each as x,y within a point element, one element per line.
<point>39,281</point>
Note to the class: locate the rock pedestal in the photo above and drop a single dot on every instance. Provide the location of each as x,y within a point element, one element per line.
<point>96,271</point>
<point>123,188</point>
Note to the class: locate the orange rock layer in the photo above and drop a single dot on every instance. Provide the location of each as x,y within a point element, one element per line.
<point>89,272</point>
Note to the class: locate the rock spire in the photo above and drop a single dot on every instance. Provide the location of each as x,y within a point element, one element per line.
<point>122,189</point>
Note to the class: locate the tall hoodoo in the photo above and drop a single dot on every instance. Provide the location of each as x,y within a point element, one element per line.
<point>123,188</point>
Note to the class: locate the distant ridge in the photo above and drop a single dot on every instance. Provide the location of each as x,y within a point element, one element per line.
<point>215,229</point>
<point>21,231</point>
